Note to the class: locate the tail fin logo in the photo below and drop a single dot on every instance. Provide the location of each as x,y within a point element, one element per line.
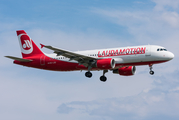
<point>25,43</point>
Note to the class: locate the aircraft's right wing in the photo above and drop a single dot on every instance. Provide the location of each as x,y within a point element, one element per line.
<point>19,59</point>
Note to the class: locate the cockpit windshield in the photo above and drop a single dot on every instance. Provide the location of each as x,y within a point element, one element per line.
<point>161,49</point>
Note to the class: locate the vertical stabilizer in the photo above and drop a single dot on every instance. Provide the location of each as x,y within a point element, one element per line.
<point>28,47</point>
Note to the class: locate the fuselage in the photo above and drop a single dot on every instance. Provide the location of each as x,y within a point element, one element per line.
<point>124,56</point>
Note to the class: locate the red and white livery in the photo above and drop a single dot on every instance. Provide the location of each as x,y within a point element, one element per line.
<point>120,61</point>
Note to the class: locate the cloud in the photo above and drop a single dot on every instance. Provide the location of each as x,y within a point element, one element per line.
<point>146,27</point>
<point>162,5</point>
<point>63,108</point>
<point>142,106</point>
<point>172,18</point>
<point>159,101</point>
<point>175,89</point>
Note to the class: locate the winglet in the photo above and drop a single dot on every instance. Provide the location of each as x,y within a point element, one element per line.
<point>42,45</point>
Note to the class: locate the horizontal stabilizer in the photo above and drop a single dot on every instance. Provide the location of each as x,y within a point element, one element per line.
<point>19,59</point>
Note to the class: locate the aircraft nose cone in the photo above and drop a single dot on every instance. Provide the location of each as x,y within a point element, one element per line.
<point>170,55</point>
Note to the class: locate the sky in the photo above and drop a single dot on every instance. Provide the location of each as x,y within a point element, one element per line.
<point>33,94</point>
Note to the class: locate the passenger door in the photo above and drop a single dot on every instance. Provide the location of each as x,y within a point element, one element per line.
<point>42,60</point>
<point>148,51</point>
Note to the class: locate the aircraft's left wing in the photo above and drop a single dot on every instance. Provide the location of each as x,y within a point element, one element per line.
<point>82,59</point>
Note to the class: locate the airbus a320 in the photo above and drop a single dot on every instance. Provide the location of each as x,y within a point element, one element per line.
<point>120,61</point>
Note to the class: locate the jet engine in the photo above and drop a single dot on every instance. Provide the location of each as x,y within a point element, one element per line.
<point>125,71</point>
<point>108,63</point>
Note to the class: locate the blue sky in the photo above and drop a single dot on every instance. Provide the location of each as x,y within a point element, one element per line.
<point>27,93</point>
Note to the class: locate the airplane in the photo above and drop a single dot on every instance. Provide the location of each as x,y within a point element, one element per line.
<point>122,61</point>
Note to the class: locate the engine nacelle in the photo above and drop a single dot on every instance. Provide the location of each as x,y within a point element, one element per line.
<point>125,71</point>
<point>108,63</point>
